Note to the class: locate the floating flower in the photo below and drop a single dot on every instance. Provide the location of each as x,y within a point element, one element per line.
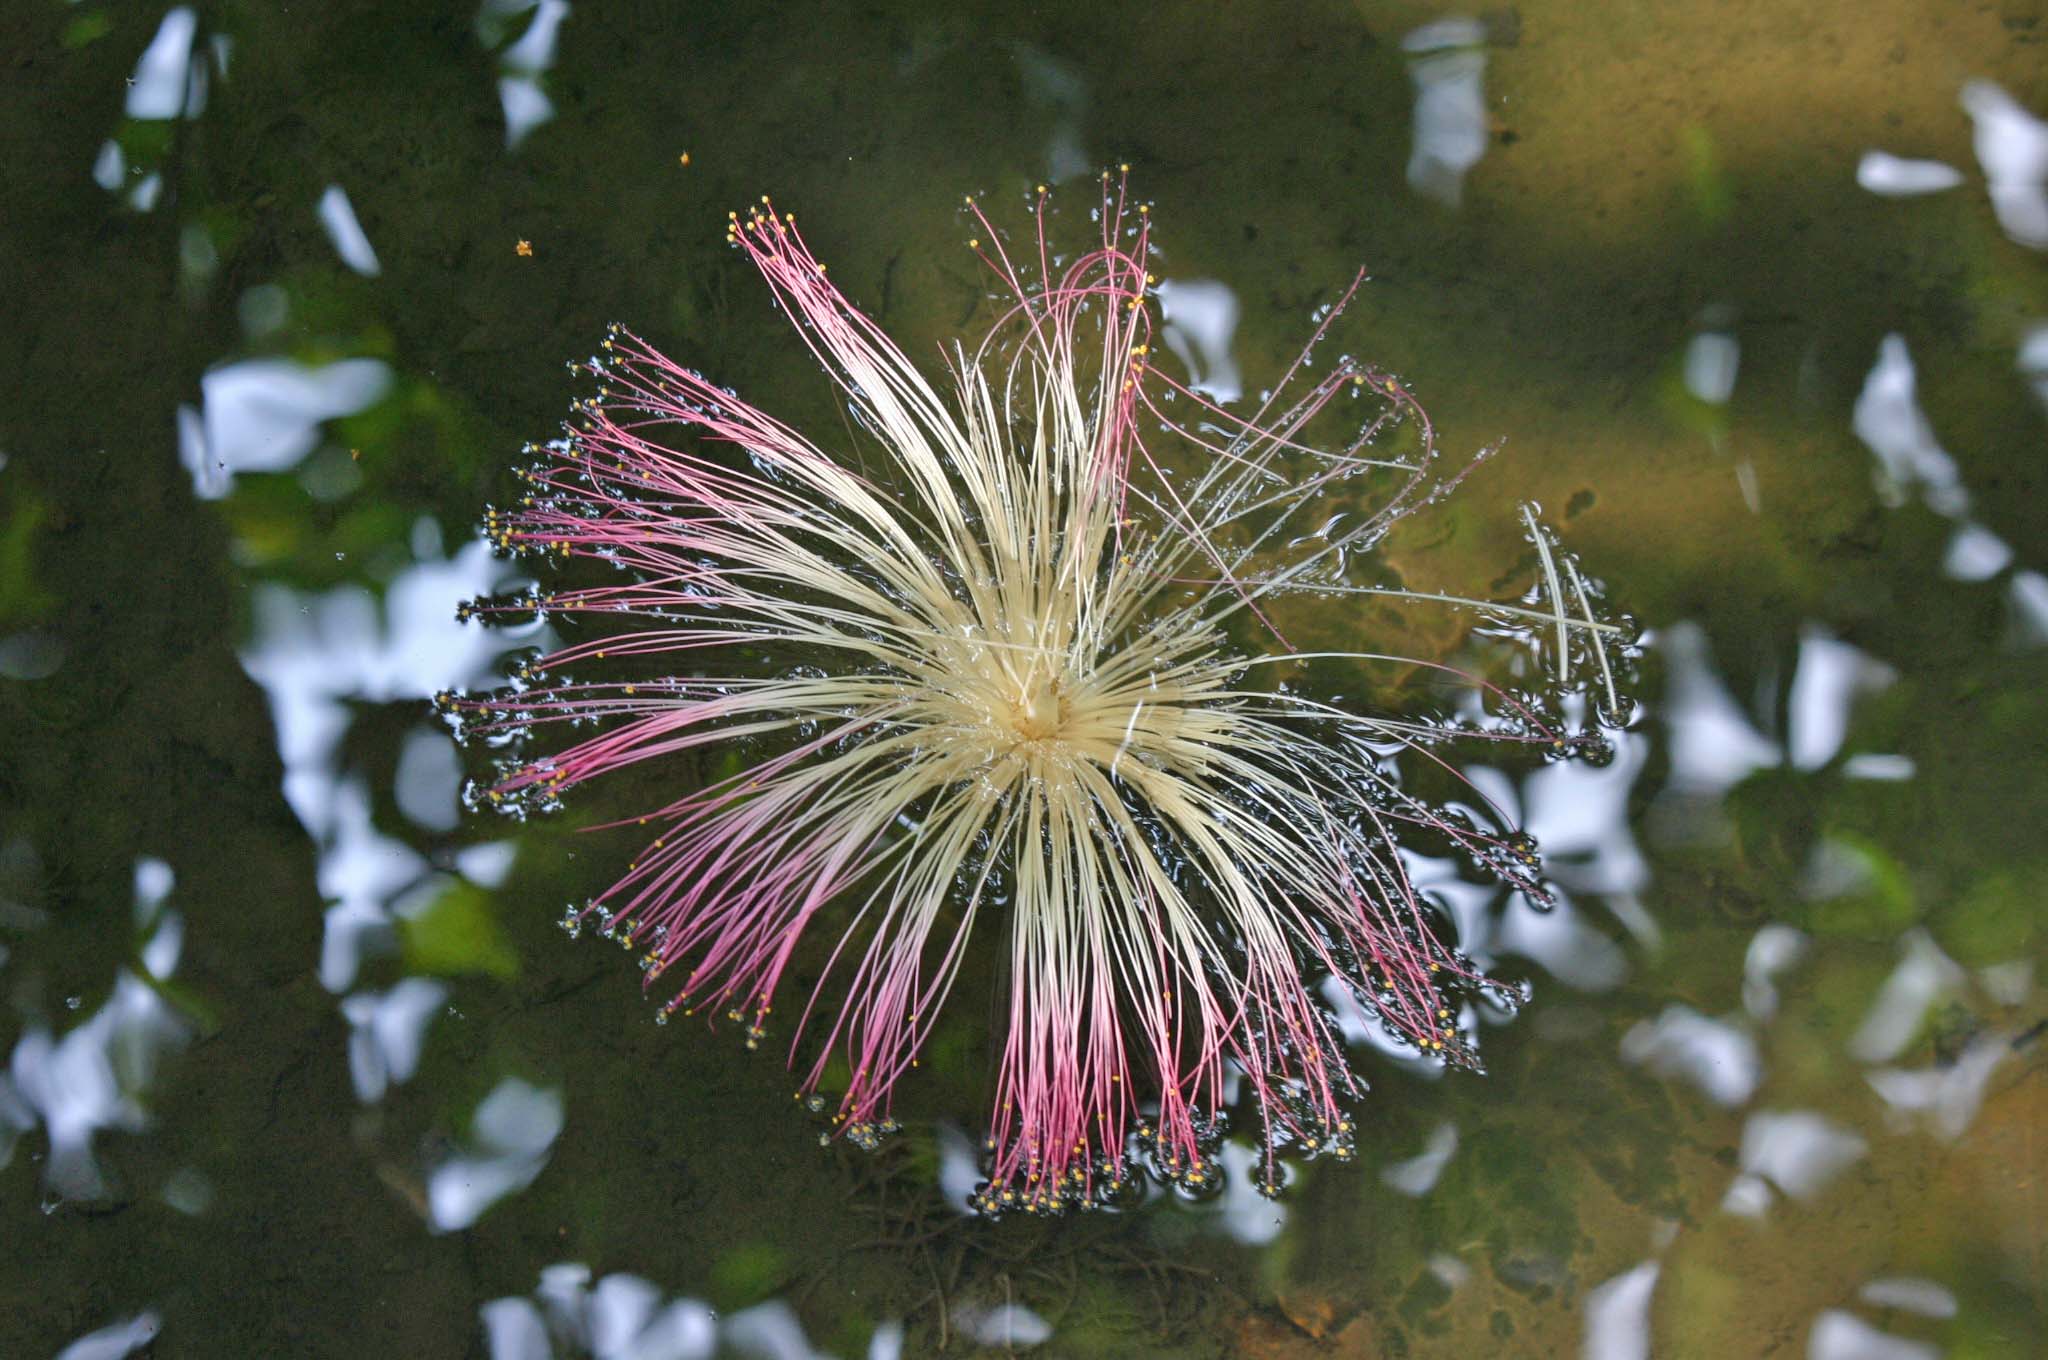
<point>1008,665</point>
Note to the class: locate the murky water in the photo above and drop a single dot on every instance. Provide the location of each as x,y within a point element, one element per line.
<point>1755,294</point>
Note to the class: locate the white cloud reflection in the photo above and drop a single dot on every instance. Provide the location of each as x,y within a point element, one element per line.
<point>1911,1294</point>
<point>1578,815</point>
<point>314,653</point>
<point>1201,321</point>
<point>1897,177</point>
<point>386,1032</point>
<point>510,1138</point>
<point>110,166</point>
<point>1774,948</point>
<point>522,65</point>
<point>1839,1335</point>
<point>318,653</point>
<point>1618,1316</point>
<point>622,1317</point>
<point>1447,62</point>
<point>1829,677</point>
<point>1009,1325</point>
<point>1418,1175</point>
<point>1713,745</point>
<point>1943,1098</point>
<point>264,415</point>
<point>960,1172</point>
<point>351,242</point>
<point>1241,1211</point>
<point>160,85</point>
<point>1974,553</point>
<point>1719,1058</point>
<point>2012,147</point>
<point>95,1076</point>
<point>1887,417</point>
<point>1923,976</point>
<point>1712,359</point>
<point>429,780</point>
<point>1058,85</point>
<point>2032,361</point>
<point>117,1340</point>
<point>1798,1151</point>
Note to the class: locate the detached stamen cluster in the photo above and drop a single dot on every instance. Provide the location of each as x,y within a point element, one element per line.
<point>1013,707</point>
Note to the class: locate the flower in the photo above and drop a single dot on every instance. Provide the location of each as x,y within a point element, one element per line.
<point>1011,668</point>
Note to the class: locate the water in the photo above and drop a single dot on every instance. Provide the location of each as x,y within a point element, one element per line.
<point>1778,1087</point>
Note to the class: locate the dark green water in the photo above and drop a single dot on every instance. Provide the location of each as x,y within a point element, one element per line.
<point>1783,1054</point>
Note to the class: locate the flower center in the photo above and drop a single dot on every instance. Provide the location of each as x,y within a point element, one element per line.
<point>1039,711</point>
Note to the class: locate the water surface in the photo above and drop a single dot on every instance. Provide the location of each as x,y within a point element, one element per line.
<point>301,1066</point>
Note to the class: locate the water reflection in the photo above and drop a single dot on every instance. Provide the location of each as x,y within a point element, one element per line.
<point>509,1139</point>
<point>386,1032</point>
<point>1417,1176</point>
<point>1716,747</point>
<point>1201,321</point>
<point>116,1339</point>
<point>1945,1096</point>
<point>1844,1336</point>
<point>1899,177</point>
<point>1924,975</point>
<point>317,654</point>
<point>1772,950</point>
<point>313,653</point>
<point>2032,361</point>
<point>97,1076</point>
<point>167,82</point>
<point>1447,62</point>
<point>524,63</point>
<point>1618,1316</point>
<point>1009,1325</point>
<point>2012,148</point>
<point>1718,1057</point>
<point>1711,743</point>
<point>171,80</point>
<point>1796,1152</point>
<point>1058,88</point>
<point>1738,1019</point>
<point>351,242</point>
<point>1889,420</point>
<point>622,1317</point>
<point>264,415</point>
<point>1924,1297</point>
